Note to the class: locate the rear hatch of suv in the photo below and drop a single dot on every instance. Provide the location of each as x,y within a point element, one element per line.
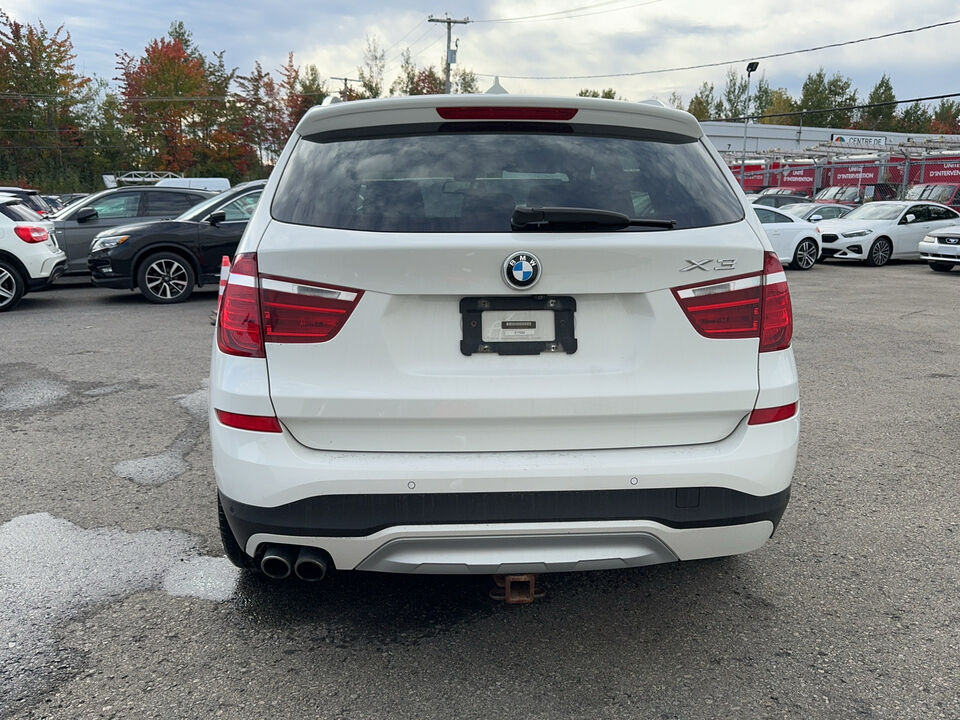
<point>409,306</point>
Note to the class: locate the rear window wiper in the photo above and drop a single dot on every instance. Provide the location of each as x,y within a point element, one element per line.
<point>579,219</point>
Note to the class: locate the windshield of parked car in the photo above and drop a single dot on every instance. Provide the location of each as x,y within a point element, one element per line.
<point>196,212</point>
<point>465,177</point>
<point>797,209</point>
<point>875,211</point>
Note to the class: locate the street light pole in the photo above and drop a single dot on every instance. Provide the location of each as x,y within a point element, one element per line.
<point>751,67</point>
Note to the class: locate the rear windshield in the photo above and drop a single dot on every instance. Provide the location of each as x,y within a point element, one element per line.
<point>19,212</point>
<point>464,178</point>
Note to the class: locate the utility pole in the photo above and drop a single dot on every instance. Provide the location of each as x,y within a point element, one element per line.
<point>450,22</point>
<point>346,87</point>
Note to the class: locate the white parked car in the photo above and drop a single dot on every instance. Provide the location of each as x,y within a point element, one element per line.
<point>941,248</point>
<point>796,241</point>
<point>815,212</point>
<point>880,231</point>
<point>500,334</point>
<point>29,255</point>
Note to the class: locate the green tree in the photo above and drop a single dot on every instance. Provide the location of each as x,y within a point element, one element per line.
<point>778,103</point>
<point>465,82</point>
<point>915,118</point>
<point>703,104</point>
<point>733,99</point>
<point>879,118</point>
<point>676,100</point>
<point>761,97</point>
<point>415,80</point>
<point>820,93</point>
<point>607,94</point>
<point>371,74</point>
<point>40,98</point>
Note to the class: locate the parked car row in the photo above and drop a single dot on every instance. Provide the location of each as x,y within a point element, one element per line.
<point>174,244</point>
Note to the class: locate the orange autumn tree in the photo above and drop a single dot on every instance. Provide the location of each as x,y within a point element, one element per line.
<point>160,92</point>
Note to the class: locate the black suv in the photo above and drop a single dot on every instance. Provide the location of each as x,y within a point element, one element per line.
<point>77,224</point>
<point>167,259</point>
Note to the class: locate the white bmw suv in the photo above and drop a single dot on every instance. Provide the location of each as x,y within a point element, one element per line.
<point>478,334</point>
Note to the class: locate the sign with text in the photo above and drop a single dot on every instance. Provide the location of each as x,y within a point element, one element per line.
<point>859,140</point>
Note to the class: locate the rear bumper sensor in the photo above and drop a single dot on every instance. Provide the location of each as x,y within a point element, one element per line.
<point>363,515</point>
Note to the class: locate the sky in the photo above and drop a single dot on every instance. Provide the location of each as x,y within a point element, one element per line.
<point>579,37</point>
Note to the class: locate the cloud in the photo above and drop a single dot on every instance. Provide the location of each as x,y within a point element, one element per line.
<point>635,37</point>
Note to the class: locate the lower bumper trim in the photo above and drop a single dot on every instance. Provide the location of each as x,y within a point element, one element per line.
<point>362,515</point>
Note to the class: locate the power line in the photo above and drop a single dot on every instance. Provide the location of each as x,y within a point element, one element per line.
<point>405,36</point>
<point>563,14</point>
<point>725,62</point>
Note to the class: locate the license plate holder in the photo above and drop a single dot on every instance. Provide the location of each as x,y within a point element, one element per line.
<point>516,334</point>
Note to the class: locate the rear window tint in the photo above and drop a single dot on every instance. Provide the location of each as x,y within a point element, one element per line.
<point>463,178</point>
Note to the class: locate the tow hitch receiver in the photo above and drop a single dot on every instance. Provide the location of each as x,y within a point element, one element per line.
<point>516,589</point>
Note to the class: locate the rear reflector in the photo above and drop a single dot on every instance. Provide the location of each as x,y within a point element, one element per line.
<point>506,113</point>
<point>743,306</point>
<point>31,233</point>
<point>254,423</point>
<point>762,416</point>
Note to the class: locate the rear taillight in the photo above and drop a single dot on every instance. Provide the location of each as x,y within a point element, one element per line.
<point>745,306</point>
<point>265,308</point>
<point>776,325</point>
<point>239,330</point>
<point>31,233</point>
<point>295,311</point>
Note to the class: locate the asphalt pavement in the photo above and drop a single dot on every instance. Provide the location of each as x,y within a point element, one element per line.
<point>117,602</point>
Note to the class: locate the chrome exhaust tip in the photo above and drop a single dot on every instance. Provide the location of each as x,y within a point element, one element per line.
<point>277,561</point>
<point>311,564</point>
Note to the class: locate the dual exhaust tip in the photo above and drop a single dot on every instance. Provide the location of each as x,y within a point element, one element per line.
<point>281,561</point>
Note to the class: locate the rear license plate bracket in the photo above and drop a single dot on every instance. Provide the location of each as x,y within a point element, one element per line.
<point>516,333</point>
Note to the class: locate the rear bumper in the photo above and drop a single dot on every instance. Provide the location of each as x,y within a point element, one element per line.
<point>512,512</point>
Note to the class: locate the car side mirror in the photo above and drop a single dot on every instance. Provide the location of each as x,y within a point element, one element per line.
<point>215,218</point>
<point>815,218</point>
<point>85,214</point>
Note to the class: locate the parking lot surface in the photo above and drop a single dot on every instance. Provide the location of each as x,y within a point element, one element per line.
<point>117,602</point>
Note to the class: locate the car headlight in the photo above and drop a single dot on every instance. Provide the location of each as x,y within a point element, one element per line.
<point>106,242</point>
<point>856,233</point>
<point>929,239</point>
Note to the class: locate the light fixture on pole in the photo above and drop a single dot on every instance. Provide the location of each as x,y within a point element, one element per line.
<point>751,68</point>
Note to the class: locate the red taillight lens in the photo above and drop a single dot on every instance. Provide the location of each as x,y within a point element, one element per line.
<point>777,323</point>
<point>255,423</point>
<point>762,416</point>
<point>239,329</point>
<point>744,306</point>
<point>506,113</point>
<point>31,233</point>
<point>729,309</point>
<point>298,312</point>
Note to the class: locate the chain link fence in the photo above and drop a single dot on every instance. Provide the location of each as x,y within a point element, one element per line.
<point>932,178</point>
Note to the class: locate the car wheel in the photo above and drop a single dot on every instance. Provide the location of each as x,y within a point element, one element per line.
<point>166,278</point>
<point>231,548</point>
<point>805,256</point>
<point>880,252</point>
<point>11,286</point>
<point>941,266</point>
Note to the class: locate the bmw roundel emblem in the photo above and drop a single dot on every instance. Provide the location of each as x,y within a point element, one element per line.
<point>521,270</point>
